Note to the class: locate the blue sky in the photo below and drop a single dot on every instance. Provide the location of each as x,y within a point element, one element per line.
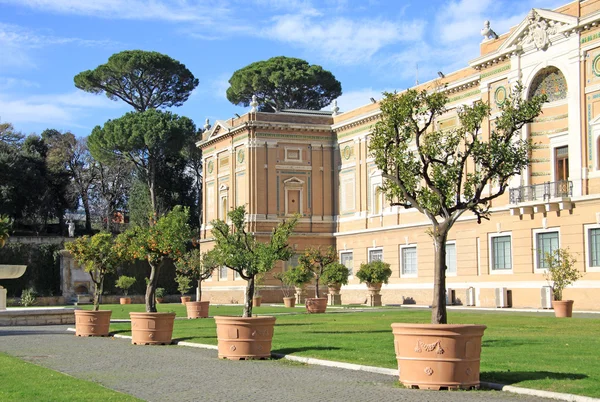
<point>370,46</point>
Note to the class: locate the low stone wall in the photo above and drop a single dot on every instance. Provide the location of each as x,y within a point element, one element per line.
<point>33,316</point>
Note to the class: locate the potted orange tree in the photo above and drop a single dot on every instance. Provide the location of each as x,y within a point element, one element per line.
<point>317,260</point>
<point>98,256</point>
<point>374,274</point>
<point>247,337</point>
<point>165,238</point>
<point>198,267</point>
<point>431,171</point>
<point>334,276</point>
<point>560,274</point>
<point>124,283</point>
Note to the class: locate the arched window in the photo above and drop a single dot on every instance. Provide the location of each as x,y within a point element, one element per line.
<point>551,82</point>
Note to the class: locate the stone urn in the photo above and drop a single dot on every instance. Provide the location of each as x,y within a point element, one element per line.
<point>9,272</point>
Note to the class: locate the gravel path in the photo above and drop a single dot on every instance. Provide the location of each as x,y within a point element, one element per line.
<point>177,373</point>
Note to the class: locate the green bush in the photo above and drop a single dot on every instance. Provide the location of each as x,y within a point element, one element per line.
<point>335,274</point>
<point>125,282</point>
<point>374,272</point>
<point>43,268</point>
<point>28,297</point>
<point>298,276</point>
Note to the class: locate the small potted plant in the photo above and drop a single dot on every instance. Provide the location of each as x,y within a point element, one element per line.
<point>374,274</point>
<point>247,337</point>
<point>124,283</point>
<point>199,267</point>
<point>183,286</point>
<point>286,288</point>
<point>560,274</point>
<point>299,277</point>
<point>160,295</point>
<point>335,275</point>
<point>98,257</point>
<point>164,238</point>
<point>316,260</point>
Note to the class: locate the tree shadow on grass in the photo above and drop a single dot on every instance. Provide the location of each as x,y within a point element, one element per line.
<point>292,324</point>
<point>515,377</point>
<point>503,343</point>
<point>351,332</point>
<point>286,351</point>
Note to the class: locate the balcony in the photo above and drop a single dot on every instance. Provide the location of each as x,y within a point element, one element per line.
<point>545,197</point>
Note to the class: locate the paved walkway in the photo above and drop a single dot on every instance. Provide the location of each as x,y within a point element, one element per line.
<point>179,373</point>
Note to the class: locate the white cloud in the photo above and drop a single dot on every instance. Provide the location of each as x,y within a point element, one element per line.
<point>10,82</point>
<point>53,109</point>
<point>165,10</point>
<point>353,99</point>
<point>341,40</point>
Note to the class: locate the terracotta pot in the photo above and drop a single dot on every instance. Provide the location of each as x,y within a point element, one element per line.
<point>562,308</point>
<point>289,301</point>
<point>92,323</point>
<point>314,305</point>
<point>151,328</point>
<point>334,289</point>
<point>438,356</point>
<point>374,288</point>
<point>244,337</point>
<point>125,300</point>
<point>197,309</point>
<point>185,299</point>
<point>160,299</point>
<point>256,300</point>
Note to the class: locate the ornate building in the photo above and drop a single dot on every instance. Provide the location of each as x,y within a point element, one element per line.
<point>317,163</point>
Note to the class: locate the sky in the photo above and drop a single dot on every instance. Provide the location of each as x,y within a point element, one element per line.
<point>370,46</point>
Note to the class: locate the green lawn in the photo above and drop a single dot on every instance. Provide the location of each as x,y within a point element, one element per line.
<point>521,349</point>
<point>22,381</point>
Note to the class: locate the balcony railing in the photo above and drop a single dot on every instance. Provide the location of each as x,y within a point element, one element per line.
<point>541,192</point>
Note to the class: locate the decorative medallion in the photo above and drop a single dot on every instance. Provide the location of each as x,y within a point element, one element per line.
<point>210,167</point>
<point>468,371</point>
<point>539,31</point>
<point>347,152</point>
<point>232,348</point>
<point>241,156</point>
<point>428,370</point>
<point>596,66</point>
<point>500,96</point>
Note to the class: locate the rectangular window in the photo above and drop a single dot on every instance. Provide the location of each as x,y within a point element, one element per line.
<point>376,255</point>
<point>347,259</point>
<point>451,258</point>
<point>546,242</point>
<point>223,273</point>
<point>408,261</point>
<point>561,157</point>
<point>501,253</point>
<point>594,239</point>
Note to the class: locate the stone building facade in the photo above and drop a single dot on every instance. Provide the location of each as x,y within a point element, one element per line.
<point>317,164</point>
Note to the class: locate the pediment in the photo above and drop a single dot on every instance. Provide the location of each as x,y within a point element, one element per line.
<point>537,29</point>
<point>293,181</point>
<point>219,128</point>
<point>595,121</point>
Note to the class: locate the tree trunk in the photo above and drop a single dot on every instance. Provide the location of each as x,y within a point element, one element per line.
<point>317,277</point>
<point>438,313</point>
<point>97,293</point>
<point>151,288</point>
<point>199,291</point>
<point>86,207</point>
<point>249,296</point>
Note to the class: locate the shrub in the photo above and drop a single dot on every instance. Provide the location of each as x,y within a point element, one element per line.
<point>125,282</point>
<point>374,272</point>
<point>28,297</point>
<point>561,271</point>
<point>335,274</point>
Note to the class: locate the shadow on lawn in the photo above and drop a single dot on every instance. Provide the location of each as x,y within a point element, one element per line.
<point>287,351</point>
<point>352,332</point>
<point>515,377</point>
<point>501,343</point>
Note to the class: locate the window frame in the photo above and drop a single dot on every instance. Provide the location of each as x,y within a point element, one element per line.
<point>221,278</point>
<point>455,272</point>
<point>369,250</point>
<point>588,263</point>
<point>351,269</point>
<point>499,271</point>
<point>401,261</point>
<point>536,233</point>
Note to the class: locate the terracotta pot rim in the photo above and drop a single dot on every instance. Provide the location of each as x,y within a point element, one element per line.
<point>563,301</point>
<point>140,315</point>
<point>235,318</point>
<point>79,311</point>
<point>438,326</point>
<point>316,298</point>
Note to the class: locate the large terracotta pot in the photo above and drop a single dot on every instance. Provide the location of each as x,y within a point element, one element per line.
<point>185,299</point>
<point>244,337</point>
<point>334,289</point>
<point>256,300</point>
<point>373,288</point>
<point>562,308</point>
<point>125,300</point>
<point>314,305</point>
<point>438,356</point>
<point>151,328</point>
<point>289,301</point>
<point>92,323</point>
<point>197,309</point>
